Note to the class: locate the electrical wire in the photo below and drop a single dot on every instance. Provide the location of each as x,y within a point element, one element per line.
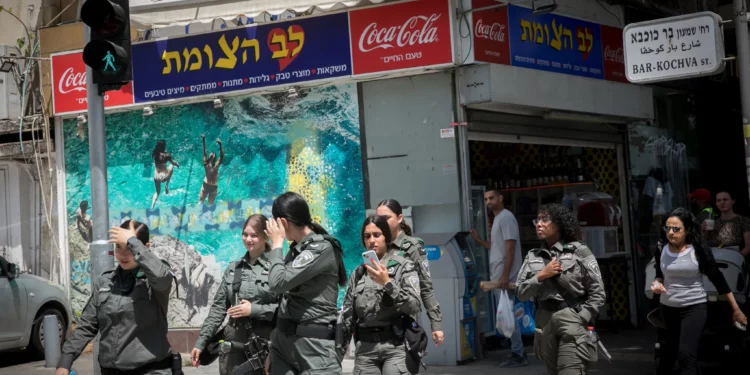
<point>610,12</point>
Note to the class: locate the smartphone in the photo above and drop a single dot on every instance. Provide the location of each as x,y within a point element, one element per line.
<point>369,256</point>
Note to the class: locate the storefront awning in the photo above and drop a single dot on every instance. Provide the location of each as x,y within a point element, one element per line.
<point>160,18</point>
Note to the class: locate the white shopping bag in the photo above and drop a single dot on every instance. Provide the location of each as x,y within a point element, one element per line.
<point>505,318</point>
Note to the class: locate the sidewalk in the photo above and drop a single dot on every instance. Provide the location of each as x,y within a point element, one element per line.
<point>632,353</point>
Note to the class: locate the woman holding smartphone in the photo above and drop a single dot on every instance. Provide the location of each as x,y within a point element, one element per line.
<point>377,301</point>
<point>308,280</point>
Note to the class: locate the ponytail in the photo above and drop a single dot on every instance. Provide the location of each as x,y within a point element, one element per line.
<point>406,228</point>
<point>317,228</point>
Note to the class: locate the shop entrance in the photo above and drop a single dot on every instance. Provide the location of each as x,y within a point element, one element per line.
<point>585,176</point>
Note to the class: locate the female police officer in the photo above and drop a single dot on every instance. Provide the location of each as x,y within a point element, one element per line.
<point>413,248</point>
<point>375,306</point>
<point>308,280</point>
<point>244,295</point>
<point>563,276</point>
<point>128,307</point>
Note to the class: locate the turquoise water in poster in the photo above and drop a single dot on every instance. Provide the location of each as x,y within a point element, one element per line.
<point>272,144</point>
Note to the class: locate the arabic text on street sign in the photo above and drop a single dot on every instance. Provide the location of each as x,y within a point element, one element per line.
<point>674,48</point>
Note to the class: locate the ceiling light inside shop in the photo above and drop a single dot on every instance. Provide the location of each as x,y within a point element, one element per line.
<point>148,111</point>
<point>543,9</point>
<point>218,103</point>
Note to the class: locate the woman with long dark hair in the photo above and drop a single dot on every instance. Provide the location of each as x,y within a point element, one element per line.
<point>128,308</point>
<point>564,278</point>
<point>308,281</point>
<point>162,171</point>
<point>683,301</point>
<point>730,230</point>
<point>245,296</point>
<point>412,248</point>
<point>377,304</point>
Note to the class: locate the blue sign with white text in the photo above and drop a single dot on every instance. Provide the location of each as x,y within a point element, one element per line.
<point>278,54</point>
<point>555,43</point>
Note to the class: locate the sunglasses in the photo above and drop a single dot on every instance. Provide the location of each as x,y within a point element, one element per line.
<point>673,229</point>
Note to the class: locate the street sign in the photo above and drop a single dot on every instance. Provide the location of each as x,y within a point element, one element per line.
<point>674,48</point>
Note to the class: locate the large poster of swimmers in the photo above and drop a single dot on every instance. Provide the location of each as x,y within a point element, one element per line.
<point>193,173</point>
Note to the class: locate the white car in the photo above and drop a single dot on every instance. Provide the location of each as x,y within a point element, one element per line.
<point>24,301</point>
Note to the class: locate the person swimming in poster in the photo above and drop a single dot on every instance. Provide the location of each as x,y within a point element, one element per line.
<point>162,171</point>
<point>83,221</point>
<point>211,165</point>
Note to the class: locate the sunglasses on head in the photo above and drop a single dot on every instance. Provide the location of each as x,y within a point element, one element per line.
<point>673,229</point>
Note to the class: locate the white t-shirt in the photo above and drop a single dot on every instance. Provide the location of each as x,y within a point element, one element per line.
<point>505,227</point>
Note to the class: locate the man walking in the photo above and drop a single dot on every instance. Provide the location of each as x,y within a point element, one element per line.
<point>505,262</point>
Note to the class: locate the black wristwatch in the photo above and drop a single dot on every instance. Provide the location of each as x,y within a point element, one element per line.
<point>388,286</point>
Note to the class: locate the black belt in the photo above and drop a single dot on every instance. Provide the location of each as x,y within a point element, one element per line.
<point>312,331</point>
<point>376,334</point>
<point>164,364</point>
<point>553,305</point>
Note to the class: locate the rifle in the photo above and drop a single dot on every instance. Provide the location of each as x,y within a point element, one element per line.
<point>256,350</point>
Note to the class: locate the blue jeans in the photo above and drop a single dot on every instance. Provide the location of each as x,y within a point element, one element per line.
<point>516,342</point>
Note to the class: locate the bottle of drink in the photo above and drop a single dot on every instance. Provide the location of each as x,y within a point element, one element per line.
<point>517,178</point>
<point>591,334</point>
<point>659,207</point>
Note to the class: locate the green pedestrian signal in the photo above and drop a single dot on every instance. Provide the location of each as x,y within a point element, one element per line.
<point>108,50</point>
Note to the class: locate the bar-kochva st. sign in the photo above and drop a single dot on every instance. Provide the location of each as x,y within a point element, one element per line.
<point>674,48</point>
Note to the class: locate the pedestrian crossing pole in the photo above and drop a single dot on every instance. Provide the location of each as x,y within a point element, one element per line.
<point>743,65</point>
<point>100,251</point>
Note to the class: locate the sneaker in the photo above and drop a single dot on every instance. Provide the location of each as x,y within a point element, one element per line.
<point>515,360</point>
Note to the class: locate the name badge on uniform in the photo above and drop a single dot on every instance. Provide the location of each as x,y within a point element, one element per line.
<point>104,289</point>
<point>264,272</point>
<point>566,256</point>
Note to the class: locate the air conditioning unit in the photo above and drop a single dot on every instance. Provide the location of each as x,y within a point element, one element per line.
<point>10,98</point>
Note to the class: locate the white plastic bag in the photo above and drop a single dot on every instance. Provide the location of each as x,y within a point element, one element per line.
<point>505,318</point>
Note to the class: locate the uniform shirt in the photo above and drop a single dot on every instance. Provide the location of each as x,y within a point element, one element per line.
<point>254,288</point>
<point>682,278</point>
<point>307,279</point>
<point>504,228</point>
<point>367,297</point>
<point>580,277</point>
<point>413,249</point>
<point>129,310</point>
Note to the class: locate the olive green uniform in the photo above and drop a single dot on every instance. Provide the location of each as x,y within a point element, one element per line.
<point>307,280</point>
<point>254,288</point>
<point>374,315</point>
<point>129,310</point>
<point>413,249</point>
<point>564,344</point>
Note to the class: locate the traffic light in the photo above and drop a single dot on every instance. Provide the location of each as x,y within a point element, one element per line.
<point>108,51</point>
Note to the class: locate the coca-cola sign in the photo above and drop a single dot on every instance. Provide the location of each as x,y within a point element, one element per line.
<point>491,42</point>
<point>614,54</point>
<point>408,34</point>
<point>416,34</point>
<point>69,86</point>
<point>495,32</point>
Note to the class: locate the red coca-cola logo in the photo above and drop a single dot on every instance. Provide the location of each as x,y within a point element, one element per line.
<point>495,32</point>
<point>71,81</point>
<point>416,30</point>
<point>616,55</point>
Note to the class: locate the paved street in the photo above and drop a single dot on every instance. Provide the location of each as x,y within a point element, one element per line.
<point>632,351</point>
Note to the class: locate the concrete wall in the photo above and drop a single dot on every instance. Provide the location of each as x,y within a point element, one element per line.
<point>11,29</point>
<point>406,158</point>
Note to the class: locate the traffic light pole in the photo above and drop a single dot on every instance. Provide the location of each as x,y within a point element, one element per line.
<point>743,65</point>
<point>100,253</point>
